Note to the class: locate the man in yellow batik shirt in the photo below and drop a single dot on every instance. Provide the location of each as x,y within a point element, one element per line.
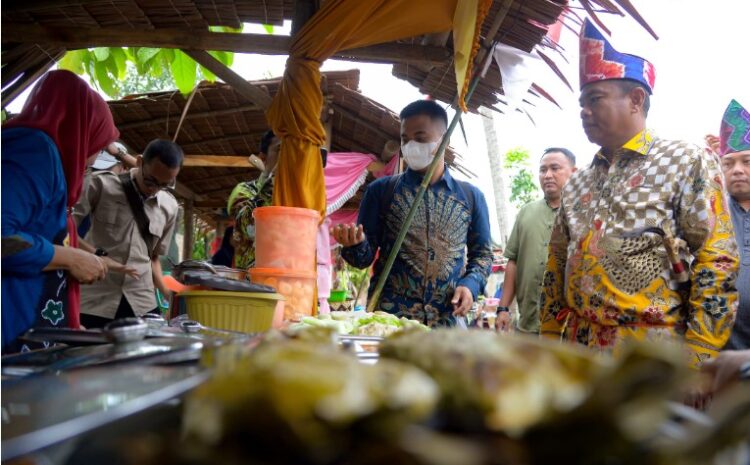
<point>643,245</point>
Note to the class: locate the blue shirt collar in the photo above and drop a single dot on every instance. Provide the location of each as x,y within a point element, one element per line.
<point>413,178</point>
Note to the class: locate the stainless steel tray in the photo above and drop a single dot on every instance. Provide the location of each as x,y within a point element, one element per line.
<point>42,411</point>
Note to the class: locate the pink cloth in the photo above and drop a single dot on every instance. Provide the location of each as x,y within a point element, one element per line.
<point>325,268</point>
<point>345,173</point>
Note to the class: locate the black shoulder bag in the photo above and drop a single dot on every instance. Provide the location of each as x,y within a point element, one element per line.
<point>139,213</point>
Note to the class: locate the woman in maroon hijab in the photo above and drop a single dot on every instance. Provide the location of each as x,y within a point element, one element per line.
<point>46,149</point>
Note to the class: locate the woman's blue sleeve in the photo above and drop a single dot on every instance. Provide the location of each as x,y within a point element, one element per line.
<point>30,175</point>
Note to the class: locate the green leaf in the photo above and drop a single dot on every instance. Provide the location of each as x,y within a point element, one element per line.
<point>268,28</point>
<point>184,71</point>
<point>226,29</point>
<point>145,54</point>
<point>101,53</point>
<point>73,61</point>
<point>132,54</point>
<point>111,65</point>
<point>120,58</point>
<point>102,77</point>
<point>226,57</point>
<point>207,74</point>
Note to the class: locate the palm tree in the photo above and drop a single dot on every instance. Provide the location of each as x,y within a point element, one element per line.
<point>496,166</point>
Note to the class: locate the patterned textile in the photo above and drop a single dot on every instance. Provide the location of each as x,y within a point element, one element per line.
<point>600,61</point>
<point>447,245</point>
<point>607,281</point>
<point>244,199</point>
<point>735,129</point>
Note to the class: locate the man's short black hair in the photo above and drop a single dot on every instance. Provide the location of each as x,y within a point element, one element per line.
<point>626,85</point>
<point>425,107</point>
<point>266,140</point>
<point>568,154</point>
<point>166,151</point>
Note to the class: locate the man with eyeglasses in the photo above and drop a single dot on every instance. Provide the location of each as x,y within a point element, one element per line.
<point>133,217</point>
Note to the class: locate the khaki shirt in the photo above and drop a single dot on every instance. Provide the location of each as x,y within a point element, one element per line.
<point>113,228</point>
<point>527,246</point>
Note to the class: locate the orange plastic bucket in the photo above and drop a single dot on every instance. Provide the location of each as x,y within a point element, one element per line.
<point>297,287</point>
<point>285,237</point>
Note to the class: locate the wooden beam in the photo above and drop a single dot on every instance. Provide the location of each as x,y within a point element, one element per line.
<point>198,114</point>
<point>186,193</point>
<point>184,38</point>
<point>215,139</point>
<point>25,5</point>
<point>211,203</point>
<point>217,161</point>
<point>28,78</point>
<point>250,91</point>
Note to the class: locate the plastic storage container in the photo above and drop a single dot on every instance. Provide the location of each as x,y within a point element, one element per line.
<point>337,295</point>
<point>285,237</point>
<point>297,287</point>
<point>248,312</point>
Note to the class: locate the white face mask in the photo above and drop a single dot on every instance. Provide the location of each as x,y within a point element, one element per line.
<point>418,155</point>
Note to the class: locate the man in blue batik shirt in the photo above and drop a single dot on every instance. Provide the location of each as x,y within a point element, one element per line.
<point>446,257</point>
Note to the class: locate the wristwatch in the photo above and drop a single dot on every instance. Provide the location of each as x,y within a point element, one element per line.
<point>100,252</point>
<point>501,310</point>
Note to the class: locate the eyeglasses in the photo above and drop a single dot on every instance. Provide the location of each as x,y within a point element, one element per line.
<point>153,183</point>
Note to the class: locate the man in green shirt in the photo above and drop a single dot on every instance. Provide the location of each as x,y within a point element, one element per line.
<point>526,250</point>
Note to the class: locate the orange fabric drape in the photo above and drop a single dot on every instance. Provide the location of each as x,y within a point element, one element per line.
<point>294,114</point>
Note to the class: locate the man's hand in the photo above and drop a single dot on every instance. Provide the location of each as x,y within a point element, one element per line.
<point>348,235</point>
<point>118,267</point>
<point>462,301</point>
<point>725,369</point>
<point>86,267</point>
<point>502,322</point>
<point>713,143</point>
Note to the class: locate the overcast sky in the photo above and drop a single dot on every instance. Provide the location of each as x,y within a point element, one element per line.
<point>701,62</point>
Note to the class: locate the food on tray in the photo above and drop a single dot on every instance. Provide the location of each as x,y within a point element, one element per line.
<point>379,324</point>
<point>511,383</point>
<point>478,399</point>
<point>296,401</point>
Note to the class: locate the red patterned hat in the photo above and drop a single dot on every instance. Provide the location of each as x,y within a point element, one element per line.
<point>600,61</point>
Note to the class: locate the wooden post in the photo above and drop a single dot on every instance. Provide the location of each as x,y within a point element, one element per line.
<point>188,238</point>
<point>303,10</point>
<point>328,125</point>
<point>221,227</point>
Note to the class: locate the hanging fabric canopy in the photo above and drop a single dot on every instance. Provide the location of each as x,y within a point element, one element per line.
<point>294,114</point>
<point>346,172</point>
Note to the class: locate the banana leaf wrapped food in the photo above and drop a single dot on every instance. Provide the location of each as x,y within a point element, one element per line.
<point>561,403</point>
<point>303,401</point>
<point>446,397</point>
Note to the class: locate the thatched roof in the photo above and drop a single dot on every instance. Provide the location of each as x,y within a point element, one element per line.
<point>35,33</point>
<point>523,27</point>
<point>221,122</point>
